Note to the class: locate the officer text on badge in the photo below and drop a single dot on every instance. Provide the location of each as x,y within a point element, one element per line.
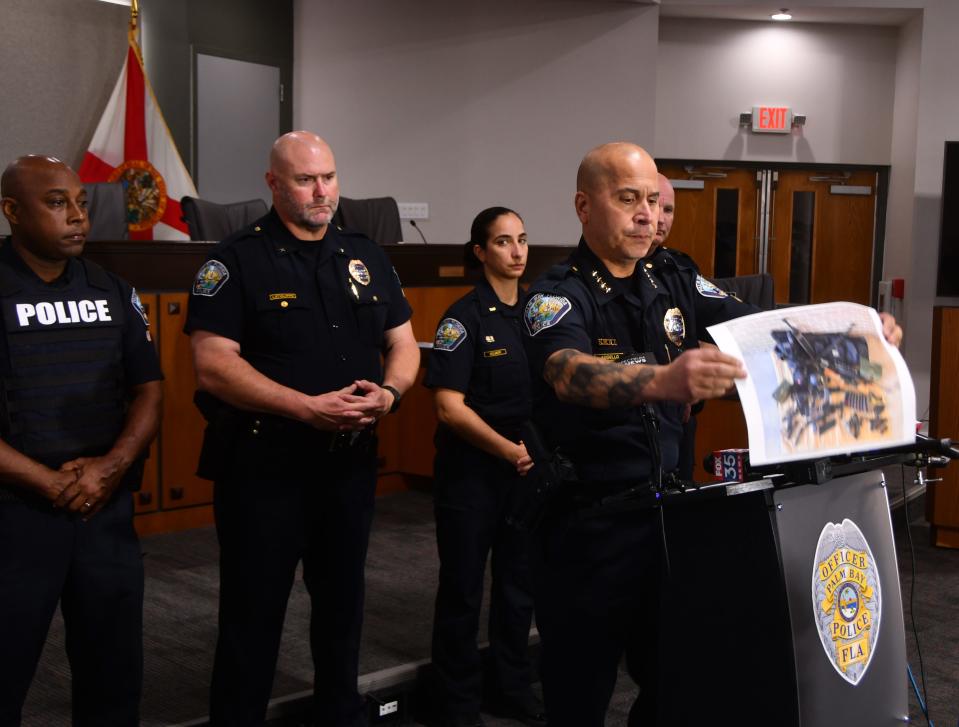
<point>62,312</point>
<point>847,599</point>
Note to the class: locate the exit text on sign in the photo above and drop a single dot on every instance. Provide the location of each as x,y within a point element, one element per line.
<point>772,119</point>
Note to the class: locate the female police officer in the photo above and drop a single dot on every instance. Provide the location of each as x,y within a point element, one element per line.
<point>479,375</point>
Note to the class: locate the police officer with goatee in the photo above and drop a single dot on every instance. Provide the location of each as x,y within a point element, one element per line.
<point>80,399</point>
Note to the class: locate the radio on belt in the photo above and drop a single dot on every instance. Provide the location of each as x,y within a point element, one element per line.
<point>730,465</point>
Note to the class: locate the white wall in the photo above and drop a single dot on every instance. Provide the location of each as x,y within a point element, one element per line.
<point>469,104</point>
<point>898,260</point>
<point>937,121</point>
<point>839,76</point>
<point>59,61</point>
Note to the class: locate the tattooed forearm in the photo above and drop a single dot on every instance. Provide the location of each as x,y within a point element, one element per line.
<point>579,378</point>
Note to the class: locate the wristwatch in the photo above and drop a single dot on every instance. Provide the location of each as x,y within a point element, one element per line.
<point>396,397</point>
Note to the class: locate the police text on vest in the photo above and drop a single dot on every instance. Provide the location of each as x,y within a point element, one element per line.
<point>69,311</point>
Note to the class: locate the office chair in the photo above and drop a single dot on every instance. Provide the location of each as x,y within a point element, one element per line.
<point>378,218</point>
<point>755,289</point>
<point>107,210</point>
<point>212,221</point>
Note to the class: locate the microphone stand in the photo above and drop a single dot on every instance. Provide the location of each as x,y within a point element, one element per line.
<point>417,228</point>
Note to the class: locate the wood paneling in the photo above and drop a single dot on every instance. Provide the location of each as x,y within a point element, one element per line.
<point>842,238</point>
<point>168,521</point>
<point>182,432</point>
<point>417,430</point>
<point>694,226</point>
<point>162,265</point>
<point>942,498</point>
<point>428,306</point>
<point>147,498</point>
<point>720,425</point>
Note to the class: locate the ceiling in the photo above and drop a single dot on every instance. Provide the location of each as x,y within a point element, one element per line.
<point>762,11</point>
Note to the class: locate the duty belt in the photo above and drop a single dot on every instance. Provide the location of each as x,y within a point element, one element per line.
<point>288,431</point>
<point>596,498</point>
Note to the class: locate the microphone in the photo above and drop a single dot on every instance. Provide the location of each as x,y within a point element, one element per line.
<point>417,228</point>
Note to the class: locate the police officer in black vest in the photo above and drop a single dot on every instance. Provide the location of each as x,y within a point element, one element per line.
<point>480,377</point>
<point>614,361</point>
<point>301,341</point>
<point>81,400</point>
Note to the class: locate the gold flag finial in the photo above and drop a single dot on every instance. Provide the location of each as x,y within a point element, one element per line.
<point>134,15</point>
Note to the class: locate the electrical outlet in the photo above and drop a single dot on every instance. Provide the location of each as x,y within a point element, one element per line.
<point>414,210</point>
<point>389,708</point>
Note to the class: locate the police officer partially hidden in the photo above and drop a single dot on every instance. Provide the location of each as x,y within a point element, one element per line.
<point>480,377</point>
<point>301,341</point>
<point>81,399</point>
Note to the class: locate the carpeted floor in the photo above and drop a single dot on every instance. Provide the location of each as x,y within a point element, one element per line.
<point>936,611</point>
<point>180,620</point>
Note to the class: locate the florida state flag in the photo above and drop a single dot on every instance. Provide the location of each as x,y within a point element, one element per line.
<point>133,145</point>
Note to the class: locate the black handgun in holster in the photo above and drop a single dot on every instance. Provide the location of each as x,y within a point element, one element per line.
<point>222,426</point>
<point>532,494</point>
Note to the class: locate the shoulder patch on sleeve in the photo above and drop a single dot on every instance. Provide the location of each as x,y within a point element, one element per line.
<point>708,289</point>
<point>449,335</point>
<point>543,311</point>
<point>211,276</point>
<point>398,281</point>
<point>138,306</point>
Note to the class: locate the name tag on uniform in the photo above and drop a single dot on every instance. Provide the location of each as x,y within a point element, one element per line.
<point>494,353</point>
<point>62,313</point>
<point>639,358</point>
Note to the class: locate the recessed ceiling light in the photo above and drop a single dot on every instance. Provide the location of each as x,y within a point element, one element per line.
<point>783,14</point>
<point>118,2</point>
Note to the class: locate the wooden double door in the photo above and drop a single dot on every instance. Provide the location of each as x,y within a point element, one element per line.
<point>813,230</point>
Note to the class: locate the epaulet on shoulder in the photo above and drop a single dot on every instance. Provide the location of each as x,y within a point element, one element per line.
<point>679,257</point>
<point>97,276</point>
<point>559,271</point>
<point>347,232</point>
<point>250,231</point>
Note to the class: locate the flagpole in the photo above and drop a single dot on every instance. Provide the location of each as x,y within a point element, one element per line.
<point>134,24</point>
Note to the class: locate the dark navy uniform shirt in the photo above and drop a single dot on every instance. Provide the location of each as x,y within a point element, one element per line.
<point>478,351</point>
<point>652,316</point>
<point>308,315</point>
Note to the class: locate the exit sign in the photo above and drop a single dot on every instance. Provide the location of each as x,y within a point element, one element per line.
<point>772,119</point>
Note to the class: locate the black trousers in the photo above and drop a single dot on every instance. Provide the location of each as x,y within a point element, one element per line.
<point>471,494</point>
<point>94,570</point>
<point>597,584</point>
<point>273,509</point>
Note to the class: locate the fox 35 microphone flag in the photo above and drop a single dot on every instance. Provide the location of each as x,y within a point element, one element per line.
<point>133,145</point>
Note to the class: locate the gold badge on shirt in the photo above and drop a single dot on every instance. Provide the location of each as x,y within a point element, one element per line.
<point>359,272</point>
<point>675,326</point>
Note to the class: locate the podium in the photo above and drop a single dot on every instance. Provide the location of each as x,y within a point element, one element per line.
<point>782,607</point>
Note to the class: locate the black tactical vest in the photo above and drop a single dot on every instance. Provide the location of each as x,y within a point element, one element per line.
<point>61,369</point>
